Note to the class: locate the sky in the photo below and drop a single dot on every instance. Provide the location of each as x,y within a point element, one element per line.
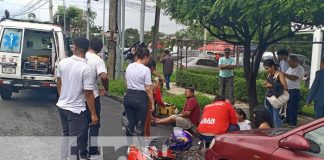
<point>132,15</point>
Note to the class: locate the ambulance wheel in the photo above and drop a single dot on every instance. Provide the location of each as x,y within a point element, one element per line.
<point>6,92</point>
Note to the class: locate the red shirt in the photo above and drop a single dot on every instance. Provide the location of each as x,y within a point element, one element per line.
<point>217,117</point>
<point>193,106</point>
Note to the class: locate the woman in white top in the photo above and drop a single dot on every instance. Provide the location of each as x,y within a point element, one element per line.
<point>242,121</point>
<point>139,91</point>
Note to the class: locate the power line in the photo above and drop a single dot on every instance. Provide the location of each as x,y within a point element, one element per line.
<point>129,4</point>
<point>26,7</point>
<point>31,9</point>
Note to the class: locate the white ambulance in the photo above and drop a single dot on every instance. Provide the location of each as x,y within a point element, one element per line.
<point>29,54</point>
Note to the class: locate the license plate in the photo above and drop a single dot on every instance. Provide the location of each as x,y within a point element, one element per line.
<point>8,70</point>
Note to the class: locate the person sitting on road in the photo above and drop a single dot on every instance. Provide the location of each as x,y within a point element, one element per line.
<point>244,123</point>
<point>262,119</point>
<point>189,117</point>
<point>217,118</point>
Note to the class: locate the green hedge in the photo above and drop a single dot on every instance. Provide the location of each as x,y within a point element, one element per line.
<point>208,83</point>
<point>179,100</point>
<point>204,83</point>
<point>239,72</point>
<point>117,87</point>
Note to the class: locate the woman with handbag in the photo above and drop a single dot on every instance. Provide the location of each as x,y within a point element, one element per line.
<point>277,94</point>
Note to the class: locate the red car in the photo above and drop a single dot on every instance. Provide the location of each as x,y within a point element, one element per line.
<point>303,143</point>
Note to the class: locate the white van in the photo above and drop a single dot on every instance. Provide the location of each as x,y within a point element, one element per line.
<point>29,54</point>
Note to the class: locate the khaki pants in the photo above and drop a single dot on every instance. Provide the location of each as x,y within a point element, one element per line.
<point>184,123</point>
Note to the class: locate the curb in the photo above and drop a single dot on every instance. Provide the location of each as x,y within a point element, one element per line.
<point>306,117</point>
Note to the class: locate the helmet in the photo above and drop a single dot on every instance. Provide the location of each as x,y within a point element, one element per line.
<point>180,139</point>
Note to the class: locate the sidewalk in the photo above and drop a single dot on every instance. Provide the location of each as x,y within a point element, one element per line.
<point>174,89</point>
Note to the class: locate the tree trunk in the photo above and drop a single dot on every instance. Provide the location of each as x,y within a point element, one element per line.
<point>251,71</point>
<point>252,93</point>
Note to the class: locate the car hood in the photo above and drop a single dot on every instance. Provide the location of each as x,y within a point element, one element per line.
<point>271,132</point>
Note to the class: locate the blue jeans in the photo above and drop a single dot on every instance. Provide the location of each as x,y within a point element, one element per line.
<point>136,105</point>
<point>167,79</point>
<point>274,114</point>
<point>319,109</point>
<point>292,107</point>
<point>208,139</point>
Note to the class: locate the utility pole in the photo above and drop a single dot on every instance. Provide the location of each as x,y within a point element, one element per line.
<point>112,41</point>
<point>103,30</point>
<point>156,28</point>
<point>119,52</point>
<point>50,4</point>
<point>88,17</point>
<point>122,36</point>
<point>142,20</point>
<point>64,17</point>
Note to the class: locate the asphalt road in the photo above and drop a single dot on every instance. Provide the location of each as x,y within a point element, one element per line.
<point>34,114</point>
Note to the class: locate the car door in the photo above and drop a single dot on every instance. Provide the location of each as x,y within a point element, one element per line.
<point>316,139</point>
<point>10,52</point>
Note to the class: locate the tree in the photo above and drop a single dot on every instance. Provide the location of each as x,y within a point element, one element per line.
<point>193,32</point>
<point>241,22</point>
<point>75,18</point>
<point>131,36</point>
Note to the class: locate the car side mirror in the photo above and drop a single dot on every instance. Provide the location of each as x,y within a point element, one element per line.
<point>295,143</point>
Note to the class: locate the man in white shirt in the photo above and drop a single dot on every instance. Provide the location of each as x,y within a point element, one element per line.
<point>293,75</point>
<point>282,58</point>
<point>75,87</point>
<point>99,71</point>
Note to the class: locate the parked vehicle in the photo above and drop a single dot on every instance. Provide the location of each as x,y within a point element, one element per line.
<point>304,142</point>
<point>198,62</point>
<point>29,54</point>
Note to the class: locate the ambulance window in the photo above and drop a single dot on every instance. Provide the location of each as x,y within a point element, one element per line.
<point>11,40</point>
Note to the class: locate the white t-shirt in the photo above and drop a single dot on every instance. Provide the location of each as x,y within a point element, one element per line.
<point>245,125</point>
<point>137,76</point>
<point>76,76</point>
<point>283,65</point>
<point>97,66</point>
<point>297,71</point>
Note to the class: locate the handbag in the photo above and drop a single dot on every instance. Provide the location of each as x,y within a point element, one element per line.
<point>280,101</point>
